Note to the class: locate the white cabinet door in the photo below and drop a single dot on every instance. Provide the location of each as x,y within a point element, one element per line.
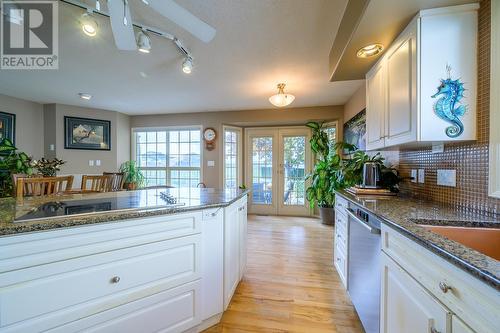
<point>231,252</point>
<point>242,219</point>
<point>375,106</point>
<point>458,326</point>
<point>401,116</point>
<point>406,306</point>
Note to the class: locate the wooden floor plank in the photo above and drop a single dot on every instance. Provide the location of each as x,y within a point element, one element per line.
<point>290,284</point>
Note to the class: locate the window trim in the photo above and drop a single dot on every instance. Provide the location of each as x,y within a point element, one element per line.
<point>239,156</point>
<point>168,128</point>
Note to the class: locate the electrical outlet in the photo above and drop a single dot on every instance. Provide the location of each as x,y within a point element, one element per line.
<point>437,148</point>
<point>447,178</point>
<point>421,176</point>
<point>414,175</point>
<point>91,163</point>
<point>210,163</point>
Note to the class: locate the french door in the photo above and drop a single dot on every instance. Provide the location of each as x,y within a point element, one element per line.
<point>278,160</point>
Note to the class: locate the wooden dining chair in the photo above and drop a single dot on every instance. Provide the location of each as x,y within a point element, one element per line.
<point>40,186</point>
<point>98,183</point>
<point>117,180</point>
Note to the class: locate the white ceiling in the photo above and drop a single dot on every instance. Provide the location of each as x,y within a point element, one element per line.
<point>259,43</point>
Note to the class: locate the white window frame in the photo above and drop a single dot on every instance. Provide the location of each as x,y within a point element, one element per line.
<point>239,156</point>
<point>168,128</point>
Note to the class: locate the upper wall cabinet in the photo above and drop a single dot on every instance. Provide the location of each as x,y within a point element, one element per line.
<point>424,87</point>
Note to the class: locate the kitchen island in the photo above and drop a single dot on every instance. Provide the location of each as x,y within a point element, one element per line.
<point>147,260</point>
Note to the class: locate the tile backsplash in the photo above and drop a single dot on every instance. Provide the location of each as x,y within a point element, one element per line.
<point>470,160</point>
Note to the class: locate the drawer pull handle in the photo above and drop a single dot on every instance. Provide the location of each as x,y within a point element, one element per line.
<point>115,279</point>
<point>433,330</point>
<point>444,287</point>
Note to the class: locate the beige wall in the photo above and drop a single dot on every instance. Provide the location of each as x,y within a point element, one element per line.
<point>29,124</point>
<point>355,104</point>
<point>212,176</point>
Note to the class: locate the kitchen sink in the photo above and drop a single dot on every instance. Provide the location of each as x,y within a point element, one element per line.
<point>484,240</point>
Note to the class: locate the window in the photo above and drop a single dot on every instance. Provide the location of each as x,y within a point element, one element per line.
<point>232,157</point>
<point>331,131</point>
<point>169,156</point>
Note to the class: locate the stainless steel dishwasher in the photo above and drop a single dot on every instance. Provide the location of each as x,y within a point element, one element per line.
<point>363,267</point>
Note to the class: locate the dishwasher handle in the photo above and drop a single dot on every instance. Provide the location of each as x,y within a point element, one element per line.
<point>363,223</point>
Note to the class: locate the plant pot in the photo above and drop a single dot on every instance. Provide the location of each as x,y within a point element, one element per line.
<point>130,186</point>
<point>327,215</point>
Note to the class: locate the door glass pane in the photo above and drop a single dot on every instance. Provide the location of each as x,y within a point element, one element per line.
<point>262,170</point>
<point>294,170</point>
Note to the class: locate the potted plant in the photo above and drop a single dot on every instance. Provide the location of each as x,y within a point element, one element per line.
<point>134,178</point>
<point>327,175</point>
<point>48,168</point>
<point>11,162</point>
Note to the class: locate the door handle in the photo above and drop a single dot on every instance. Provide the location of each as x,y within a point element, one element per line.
<point>364,224</point>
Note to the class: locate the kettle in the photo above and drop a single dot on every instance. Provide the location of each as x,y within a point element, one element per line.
<point>371,175</point>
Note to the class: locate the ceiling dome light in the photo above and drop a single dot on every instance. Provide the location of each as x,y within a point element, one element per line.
<point>187,65</point>
<point>143,42</point>
<point>370,50</point>
<point>281,99</point>
<point>89,24</point>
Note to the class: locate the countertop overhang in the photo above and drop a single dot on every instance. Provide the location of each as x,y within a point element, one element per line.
<point>405,215</point>
<point>133,204</point>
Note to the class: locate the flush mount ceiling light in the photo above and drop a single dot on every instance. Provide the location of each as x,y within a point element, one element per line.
<point>187,65</point>
<point>370,50</point>
<point>143,42</point>
<point>281,99</point>
<point>85,96</point>
<point>89,24</point>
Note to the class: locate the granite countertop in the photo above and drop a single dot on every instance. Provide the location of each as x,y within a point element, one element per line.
<point>69,210</point>
<point>405,214</point>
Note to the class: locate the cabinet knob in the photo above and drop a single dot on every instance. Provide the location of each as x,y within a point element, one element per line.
<point>115,279</point>
<point>444,287</point>
<point>434,330</point>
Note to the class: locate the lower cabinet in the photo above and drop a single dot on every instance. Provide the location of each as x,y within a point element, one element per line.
<point>235,229</point>
<point>422,292</point>
<point>341,239</point>
<point>406,306</point>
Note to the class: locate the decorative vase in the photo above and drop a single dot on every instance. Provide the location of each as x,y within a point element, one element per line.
<point>327,215</point>
<point>131,186</point>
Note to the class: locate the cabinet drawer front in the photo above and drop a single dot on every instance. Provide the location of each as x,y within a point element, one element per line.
<point>50,288</point>
<point>17,252</point>
<point>477,304</point>
<point>173,310</point>
<point>341,264</point>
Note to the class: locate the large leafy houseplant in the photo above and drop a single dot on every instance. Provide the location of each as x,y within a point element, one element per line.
<point>327,175</point>
<point>11,162</point>
<point>134,178</point>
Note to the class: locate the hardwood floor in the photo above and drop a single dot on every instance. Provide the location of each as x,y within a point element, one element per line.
<point>290,284</point>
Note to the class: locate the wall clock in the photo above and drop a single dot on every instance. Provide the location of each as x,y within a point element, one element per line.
<point>209,135</point>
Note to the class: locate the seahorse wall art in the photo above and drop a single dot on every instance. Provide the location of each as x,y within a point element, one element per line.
<point>448,106</point>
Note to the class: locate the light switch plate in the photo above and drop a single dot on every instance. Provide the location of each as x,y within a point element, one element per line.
<point>210,163</point>
<point>91,162</point>
<point>447,178</point>
<point>52,147</point>
<point>437,148</point>
<point>98,162</point>
<point>414,175</point>
<point>421,176</point>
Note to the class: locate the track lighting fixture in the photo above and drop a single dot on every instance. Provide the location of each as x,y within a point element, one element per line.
<point>85,96</point>
<point>143,42</point>
<point>89,24</point>
<point>187,65</point>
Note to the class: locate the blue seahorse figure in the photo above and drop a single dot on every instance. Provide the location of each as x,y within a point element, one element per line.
<point>447,107</point>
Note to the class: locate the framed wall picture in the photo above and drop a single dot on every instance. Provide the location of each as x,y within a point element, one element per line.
<point>8,126</point>
<point>85,133</point>
<point>355,130</point>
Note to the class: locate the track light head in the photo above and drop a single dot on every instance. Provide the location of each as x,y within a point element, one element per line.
<point>143,42</point>
<point>89,24</point>
<point>187,65</point>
